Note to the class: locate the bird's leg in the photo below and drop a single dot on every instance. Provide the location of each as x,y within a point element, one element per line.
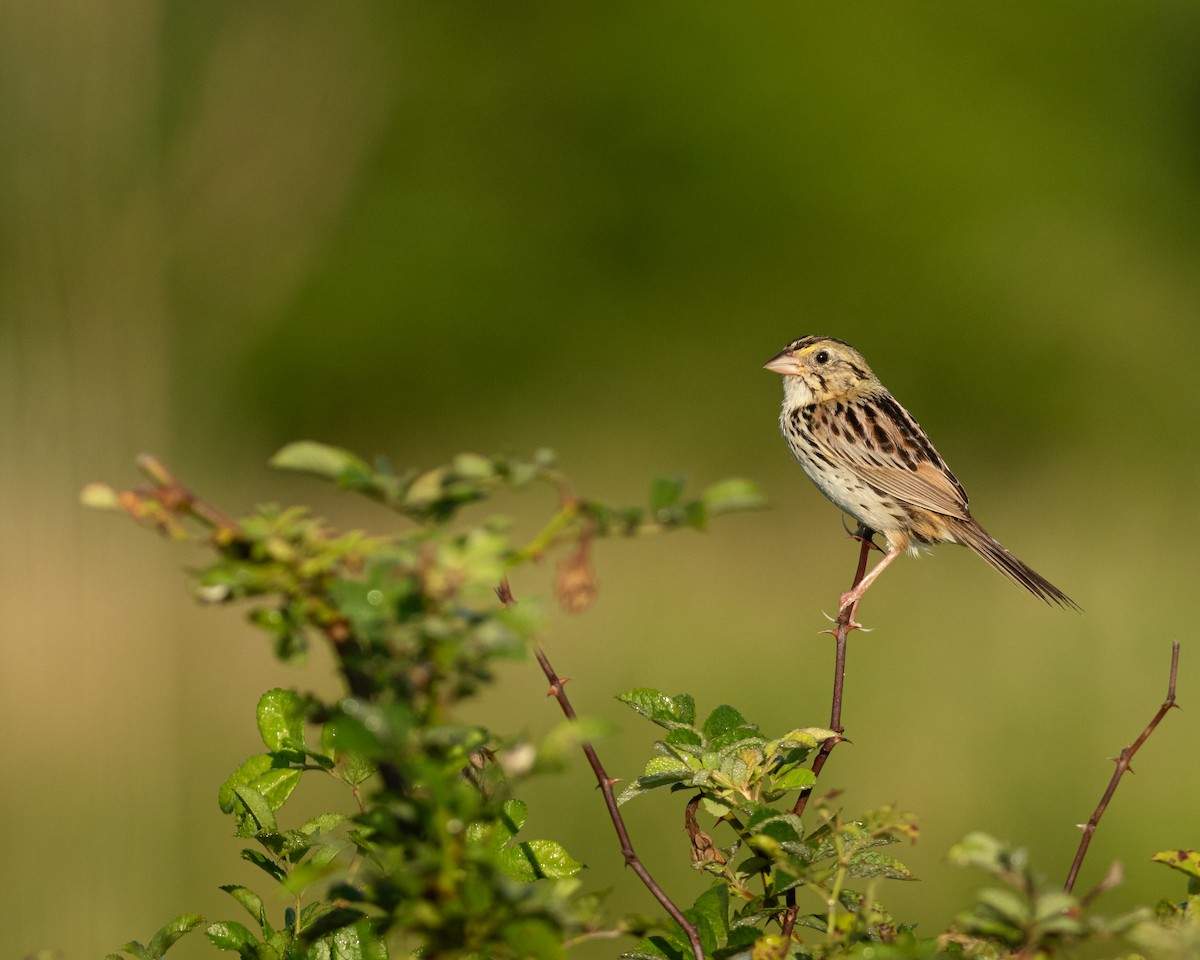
<point>850,599</point>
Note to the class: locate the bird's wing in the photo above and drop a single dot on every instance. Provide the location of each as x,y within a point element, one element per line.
<point>880,442</point>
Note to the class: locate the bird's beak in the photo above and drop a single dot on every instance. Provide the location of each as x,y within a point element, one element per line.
<point>785,363</point>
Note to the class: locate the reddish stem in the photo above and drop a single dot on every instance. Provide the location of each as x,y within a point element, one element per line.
<point>610,801</point>
<point>840,632</point>
<point>1123,764</point>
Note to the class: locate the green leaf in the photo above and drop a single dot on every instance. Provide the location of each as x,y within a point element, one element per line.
<point>250,769</point>
<point>661,771</point>
<point>665,492</point>
<point>252,902</point>
<point>804,738</point>
<point>280,717</point>
<point>135,948</point>
<point>695,515</point>
<point>322,857</point>
<point>730,495</point>
<point>320,460</point>
<point>322,823</point>
<point>275,786</point>
<point>871,863</point>
<point>291,745</point>
<point>659,947</point>
<point>734,770</point>
<point>684,737</point>
<point>1057,912</point>
<point>723,719</point>
<point>710,914</point>
<point>796,778</point>
<point>264,863</point>
<point>537,859</point>
<point>980,850</point>
<point>726,727</point>
<point>354,768</point>
<point>258,807</point>
<point>1007,904</point>
<point>162,941</point>
<point>472,466</point>
<point>337,926</point>
<point>534,939</point>
<point>313,912</point>
<point>230,935</point>
<point>1185,861</point>
<point>348,742</point>
<point>654,705</point>
<point>512,820</point>
<point>783,828</point>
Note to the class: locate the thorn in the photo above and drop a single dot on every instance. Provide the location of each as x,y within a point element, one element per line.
<point>1081,826</point>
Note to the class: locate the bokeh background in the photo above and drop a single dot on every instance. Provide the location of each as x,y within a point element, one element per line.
<point>415,229</point>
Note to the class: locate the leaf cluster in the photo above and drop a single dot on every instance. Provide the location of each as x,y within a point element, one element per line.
<point>427,851</point>
<point>748,781</point>
<point>791,888</point>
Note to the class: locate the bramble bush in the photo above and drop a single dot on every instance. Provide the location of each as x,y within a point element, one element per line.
<point>427,857</point>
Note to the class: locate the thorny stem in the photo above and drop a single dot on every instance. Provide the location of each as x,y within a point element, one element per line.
<point>1123,761</point>
<point>841,631</point>
<point>558,691</point>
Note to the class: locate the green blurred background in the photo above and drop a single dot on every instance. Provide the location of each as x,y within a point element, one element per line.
<point>416,229</point>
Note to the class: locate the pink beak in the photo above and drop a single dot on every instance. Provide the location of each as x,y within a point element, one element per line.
<point>785,364</point>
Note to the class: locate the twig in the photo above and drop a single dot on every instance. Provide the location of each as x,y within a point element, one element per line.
<point>558,691</point>
<point>840,632</point>
<point>179,499</point>
<point>1123,763</point>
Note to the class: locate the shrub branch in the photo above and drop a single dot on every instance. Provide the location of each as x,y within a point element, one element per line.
<point>1123,761</point>
<point>840,632</point>
<point>558,691</point>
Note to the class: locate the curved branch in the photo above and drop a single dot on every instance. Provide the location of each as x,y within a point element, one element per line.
<point>558,691</point>
<point>1122,761</point>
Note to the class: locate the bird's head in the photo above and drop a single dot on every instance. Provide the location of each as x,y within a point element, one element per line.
<point>821,369</point>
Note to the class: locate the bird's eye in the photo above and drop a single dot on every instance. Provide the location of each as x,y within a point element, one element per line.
<point>822,357</point>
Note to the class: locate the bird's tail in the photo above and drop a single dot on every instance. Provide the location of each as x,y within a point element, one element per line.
<point>970,534</point>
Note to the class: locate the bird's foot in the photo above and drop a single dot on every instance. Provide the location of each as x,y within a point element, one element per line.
<point>847,608</point>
